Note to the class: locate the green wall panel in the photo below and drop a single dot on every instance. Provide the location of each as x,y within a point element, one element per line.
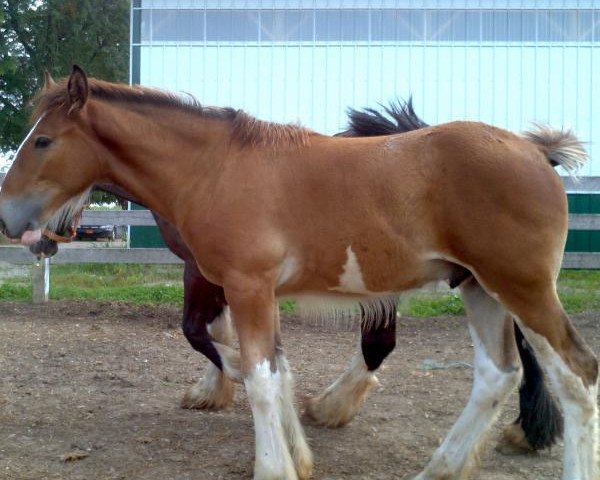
<point>144,237</point>
<point>583,240</point>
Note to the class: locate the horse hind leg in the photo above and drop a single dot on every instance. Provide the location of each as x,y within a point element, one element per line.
<point>573,372</point>
<point>339,403</point>
<point>207,327</point>
<point>496,373</point>
<point>215,390</point>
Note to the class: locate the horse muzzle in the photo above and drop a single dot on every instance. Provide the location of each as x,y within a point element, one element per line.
<point>19,219</point>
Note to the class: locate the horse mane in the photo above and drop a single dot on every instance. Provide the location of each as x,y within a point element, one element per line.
<point>398,117</point>
<point>246,129</point>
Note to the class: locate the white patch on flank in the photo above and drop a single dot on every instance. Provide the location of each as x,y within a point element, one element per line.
<point>579,405</point>
<point>342,400</point>
<point>351,279</point>
<point>272,459</point>
<point>288,269</point>
<point>491,386</point>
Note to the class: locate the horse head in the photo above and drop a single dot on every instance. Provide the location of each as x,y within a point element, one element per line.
<point>55,164</point>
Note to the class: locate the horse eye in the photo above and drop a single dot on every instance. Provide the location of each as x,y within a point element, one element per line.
<point>42,142</point>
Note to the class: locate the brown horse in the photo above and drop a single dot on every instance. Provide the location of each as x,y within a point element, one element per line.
<point>206,320</point>
<point>295,213</point>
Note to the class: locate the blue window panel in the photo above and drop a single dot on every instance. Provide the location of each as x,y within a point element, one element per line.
<point>438,25</point>
<point>514,26</point>
<point>341,25</point>
<point>487,26</point>
<point>585,25</point>
<point>528,26</point>
<point>354,25</point>
<point>473,26</point>
<point>328,25</point>
<point>286,25</point>
<point>146,26</point>
<point>500,22</point>
<point>232,25</point>
<point>397,25</point>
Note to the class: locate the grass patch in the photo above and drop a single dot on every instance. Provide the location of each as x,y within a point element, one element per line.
<point>151,284</point>
<point>578,291</point>
<point>432,305</point>
<point>133,283</point>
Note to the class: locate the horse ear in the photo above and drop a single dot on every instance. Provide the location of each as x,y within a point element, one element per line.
<point>48,80</point>
<point>77,89</point>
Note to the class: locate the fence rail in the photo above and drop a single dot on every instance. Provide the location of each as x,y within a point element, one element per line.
<point>16,254</point>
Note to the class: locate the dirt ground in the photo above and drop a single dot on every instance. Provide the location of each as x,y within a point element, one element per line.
<point>106,380</point>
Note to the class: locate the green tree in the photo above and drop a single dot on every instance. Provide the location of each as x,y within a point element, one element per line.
<point>53,35</point>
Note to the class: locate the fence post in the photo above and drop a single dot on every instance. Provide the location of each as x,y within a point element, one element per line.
<point>40,280</point>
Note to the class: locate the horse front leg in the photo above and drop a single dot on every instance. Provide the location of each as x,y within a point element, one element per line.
<point>281,449</point>
<point>207,326</point>
<point>341,401</point>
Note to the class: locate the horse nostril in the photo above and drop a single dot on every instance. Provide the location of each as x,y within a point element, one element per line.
<point>31,226</point>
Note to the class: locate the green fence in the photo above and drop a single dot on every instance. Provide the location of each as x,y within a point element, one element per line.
<point>584,240</point>
<point>144,237</point>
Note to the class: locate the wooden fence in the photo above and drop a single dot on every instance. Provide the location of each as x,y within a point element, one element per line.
<point>18,255</point>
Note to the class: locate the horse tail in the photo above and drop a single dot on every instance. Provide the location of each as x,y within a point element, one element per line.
<point>397,117</point>
<point>561,147</point>
<point>540,422</point>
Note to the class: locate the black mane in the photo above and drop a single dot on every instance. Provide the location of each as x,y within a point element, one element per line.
<point>398,117</point>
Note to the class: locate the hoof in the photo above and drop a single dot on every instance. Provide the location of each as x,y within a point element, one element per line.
<point>336,407</point>
<point>513,441</point>
<point>214,392</point>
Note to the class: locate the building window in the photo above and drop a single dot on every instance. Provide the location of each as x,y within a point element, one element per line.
<point>374,25</point>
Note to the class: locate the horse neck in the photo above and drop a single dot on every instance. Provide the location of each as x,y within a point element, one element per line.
<point>157,156</point>
<point>119,192</point>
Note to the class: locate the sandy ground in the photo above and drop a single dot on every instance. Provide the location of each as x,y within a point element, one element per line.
<point>106,380</point>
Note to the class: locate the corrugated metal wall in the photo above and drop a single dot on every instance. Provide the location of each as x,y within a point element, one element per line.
<point>505,62</point>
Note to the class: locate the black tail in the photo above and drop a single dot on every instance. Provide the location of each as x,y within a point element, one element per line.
<point>539,418</point>
<point>398,117</point>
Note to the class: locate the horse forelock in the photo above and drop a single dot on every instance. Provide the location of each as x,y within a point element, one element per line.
<point>246,129</point>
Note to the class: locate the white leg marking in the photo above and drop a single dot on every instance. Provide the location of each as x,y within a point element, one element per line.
<point>215,389</point>
<point>341,401</point>
<point>579,404</point>
<point>273,460</point>
<point>491,386</point>
<point>294,433</point>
